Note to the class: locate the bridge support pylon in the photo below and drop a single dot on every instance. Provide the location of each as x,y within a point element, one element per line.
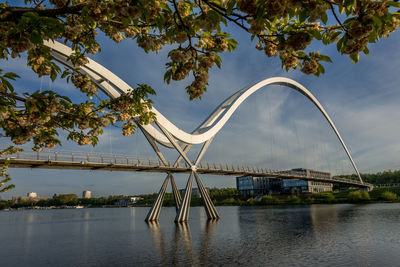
<point>175,192</point>
<point>212,213</point>
<point>155,209</point>
<point>183,212</point>
<point>154,212</point>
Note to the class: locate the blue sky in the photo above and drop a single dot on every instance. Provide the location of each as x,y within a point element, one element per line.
<point>275,128</point>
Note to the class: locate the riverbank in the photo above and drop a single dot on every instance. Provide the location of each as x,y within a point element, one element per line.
<point>230,197</point>
<point>220,197</point>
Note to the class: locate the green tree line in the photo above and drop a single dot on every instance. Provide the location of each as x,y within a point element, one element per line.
<point>224,197</point>
<point>385,177</point>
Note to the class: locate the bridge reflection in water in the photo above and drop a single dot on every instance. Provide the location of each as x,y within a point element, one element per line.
<point>316,235</point>
<point>180,250</point>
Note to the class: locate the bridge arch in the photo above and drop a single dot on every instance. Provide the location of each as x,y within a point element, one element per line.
<point>113,86</point>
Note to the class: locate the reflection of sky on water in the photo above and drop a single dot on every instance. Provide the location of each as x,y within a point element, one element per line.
<point>323,235</point>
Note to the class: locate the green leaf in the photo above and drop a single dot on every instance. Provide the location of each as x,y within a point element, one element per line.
<point>11,75</point>
<point>393,4</point>
<point>341,9</point>
<point>321,68</point>
<point>325,40</point>
<point>303,15</point>
<point>218,61</point>
<point>333,36</point>
<point>231,44</point>
<point>301,54</point>
<point>355,58</point>
<point>167,76</point>
<point>324,18</point>
<point>214,16</point>
<point>36,38</point>
<point>366,51</point>
<point>340,43</point>
<point>7,85</point>
<point>373,37</point>
<point>53,75</point>
<point>350,5</point>
<point>325,58</point>
<point>160,21</point>
<point>230,6</point>
<point>377,21</point>
<point>65,74</point>
<point>316,34</point>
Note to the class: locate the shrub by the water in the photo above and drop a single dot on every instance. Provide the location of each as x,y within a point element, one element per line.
<point>268,200</point>
<point>229,201</point>
<point>357,196</point>
<point>354,196</point>
<point>309,200</point>
<point>325,198</point>
<point>365,196</point>
<point>251,201</point>
<point>389,196</point>
<point>293,200</point>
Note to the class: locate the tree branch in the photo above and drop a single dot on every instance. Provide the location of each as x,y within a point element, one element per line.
<point>218,10</point>
<point>13,97</point>
<point>336,17</point>
<point>17,12</point>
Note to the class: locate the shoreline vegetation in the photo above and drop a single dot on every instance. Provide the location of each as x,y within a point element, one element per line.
<point>220,197</point>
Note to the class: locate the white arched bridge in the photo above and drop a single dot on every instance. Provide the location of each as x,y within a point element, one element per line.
<point>165,133</point>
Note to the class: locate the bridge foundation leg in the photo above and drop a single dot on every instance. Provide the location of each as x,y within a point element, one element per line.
<point>183,212</point>
<point>154,212</point>
<point>175,192</point>
<point>365,189</point>
<point>212,213</point>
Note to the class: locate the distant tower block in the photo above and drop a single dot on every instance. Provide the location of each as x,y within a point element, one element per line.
<point>87,194</point>
<point>32,194</point>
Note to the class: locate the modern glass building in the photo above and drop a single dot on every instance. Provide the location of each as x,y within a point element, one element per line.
<point>256,186</point>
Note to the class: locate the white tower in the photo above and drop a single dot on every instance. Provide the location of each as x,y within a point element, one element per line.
<point>87,194</point>
<point>32,194</point>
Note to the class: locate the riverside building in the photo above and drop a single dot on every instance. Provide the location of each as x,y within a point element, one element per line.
<point>87,194</point>
<point>256,186</point>
<point>195,192</point>
<point>127,201</point>
<point>32,195</point>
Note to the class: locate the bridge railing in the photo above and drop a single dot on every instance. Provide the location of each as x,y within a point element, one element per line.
<point>130,160</point>
<point>89,157</point>
<point>95,157</point>
<point>388,185</point>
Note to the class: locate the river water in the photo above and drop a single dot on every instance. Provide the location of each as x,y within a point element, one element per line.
<point>316,235</point>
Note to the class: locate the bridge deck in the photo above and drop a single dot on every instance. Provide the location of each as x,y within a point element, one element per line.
<point>108,162</point>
